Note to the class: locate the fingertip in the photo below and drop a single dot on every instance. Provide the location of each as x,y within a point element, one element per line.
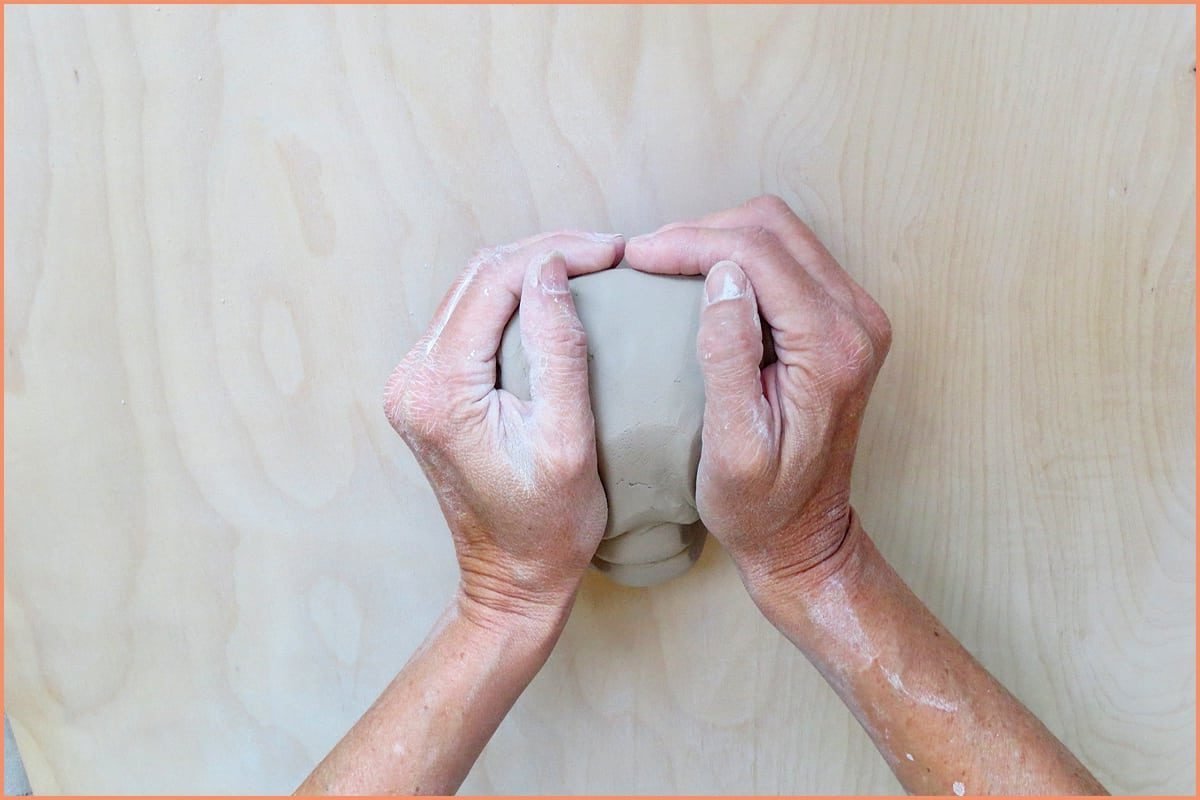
<point>729,340</point>
<point>725,281</point>
<point>548,273</point>
<point>618,250</point>
<point>639,243</point>
<point>613,245</point>
<point>641,253</point>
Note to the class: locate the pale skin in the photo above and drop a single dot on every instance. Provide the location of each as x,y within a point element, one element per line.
<point>518,484</point>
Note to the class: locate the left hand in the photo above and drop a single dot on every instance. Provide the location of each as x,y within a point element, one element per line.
<point>517,481</point>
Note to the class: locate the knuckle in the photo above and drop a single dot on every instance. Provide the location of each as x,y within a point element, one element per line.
<point>854,353</point>
<point>781,217</point>
<point>396,396</point>
<point>487,257</point>
<point>757,241</point>
<point>771,205</point>
<point>558,358</point>
<point>569,341</point>
<point>565,233</point>
<point>724,339</point>
<point>409,402</point>
<point>883,326</point>
<point>481,256</point>
<point>761,235</point>
<point>571,458</point>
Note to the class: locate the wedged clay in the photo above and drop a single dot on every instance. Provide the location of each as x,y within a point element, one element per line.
<point>648,400</point>
<point>647,545</point>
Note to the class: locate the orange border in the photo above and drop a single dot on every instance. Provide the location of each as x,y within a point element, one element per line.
<point>615,2</point>
<point>1196,287</point>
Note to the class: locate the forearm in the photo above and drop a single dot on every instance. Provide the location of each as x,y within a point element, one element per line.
<point>428,727</point>
<point>943,723</point>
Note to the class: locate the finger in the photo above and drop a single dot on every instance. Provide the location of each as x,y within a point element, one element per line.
<point>746,215</point>
<point>785,292</point>
<point>470,320</point>
<point>775,215</point>
<point>715,219</point>
<point>497,253</point>
<point>556,347</point>
<point>729,347</point>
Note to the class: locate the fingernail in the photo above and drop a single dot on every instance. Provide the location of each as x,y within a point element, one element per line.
<point>645,237</point>
<point>551,276</point>
<point>725,281</point>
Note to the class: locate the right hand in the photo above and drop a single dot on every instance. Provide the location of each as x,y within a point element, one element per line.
<point>778,443</point>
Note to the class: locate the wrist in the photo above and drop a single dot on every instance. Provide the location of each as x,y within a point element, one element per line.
<point>496,586</point>
<point>536,623</point>
<point>832,563</point>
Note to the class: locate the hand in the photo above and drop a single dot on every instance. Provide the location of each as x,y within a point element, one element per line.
<point>774,479</point>
<point>516,480</point>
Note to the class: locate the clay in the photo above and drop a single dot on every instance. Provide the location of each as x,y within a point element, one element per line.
<point>648,400</point>
<point>647,545</point>
<point>657,571</point>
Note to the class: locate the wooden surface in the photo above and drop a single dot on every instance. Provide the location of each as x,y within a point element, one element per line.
<point>223,228</point>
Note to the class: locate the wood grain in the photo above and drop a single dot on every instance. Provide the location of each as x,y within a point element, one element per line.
<point>225,225</point>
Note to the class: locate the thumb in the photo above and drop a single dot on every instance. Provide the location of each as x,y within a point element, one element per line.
<point>729,347</point>
<point>555,344</point>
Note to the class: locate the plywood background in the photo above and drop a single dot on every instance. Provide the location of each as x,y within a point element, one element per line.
<point>224,226</point>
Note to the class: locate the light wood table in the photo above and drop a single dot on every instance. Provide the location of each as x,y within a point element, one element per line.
<point>224,226</point>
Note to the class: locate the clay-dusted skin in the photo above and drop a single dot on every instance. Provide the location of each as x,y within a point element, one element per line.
<point>648,399</point>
